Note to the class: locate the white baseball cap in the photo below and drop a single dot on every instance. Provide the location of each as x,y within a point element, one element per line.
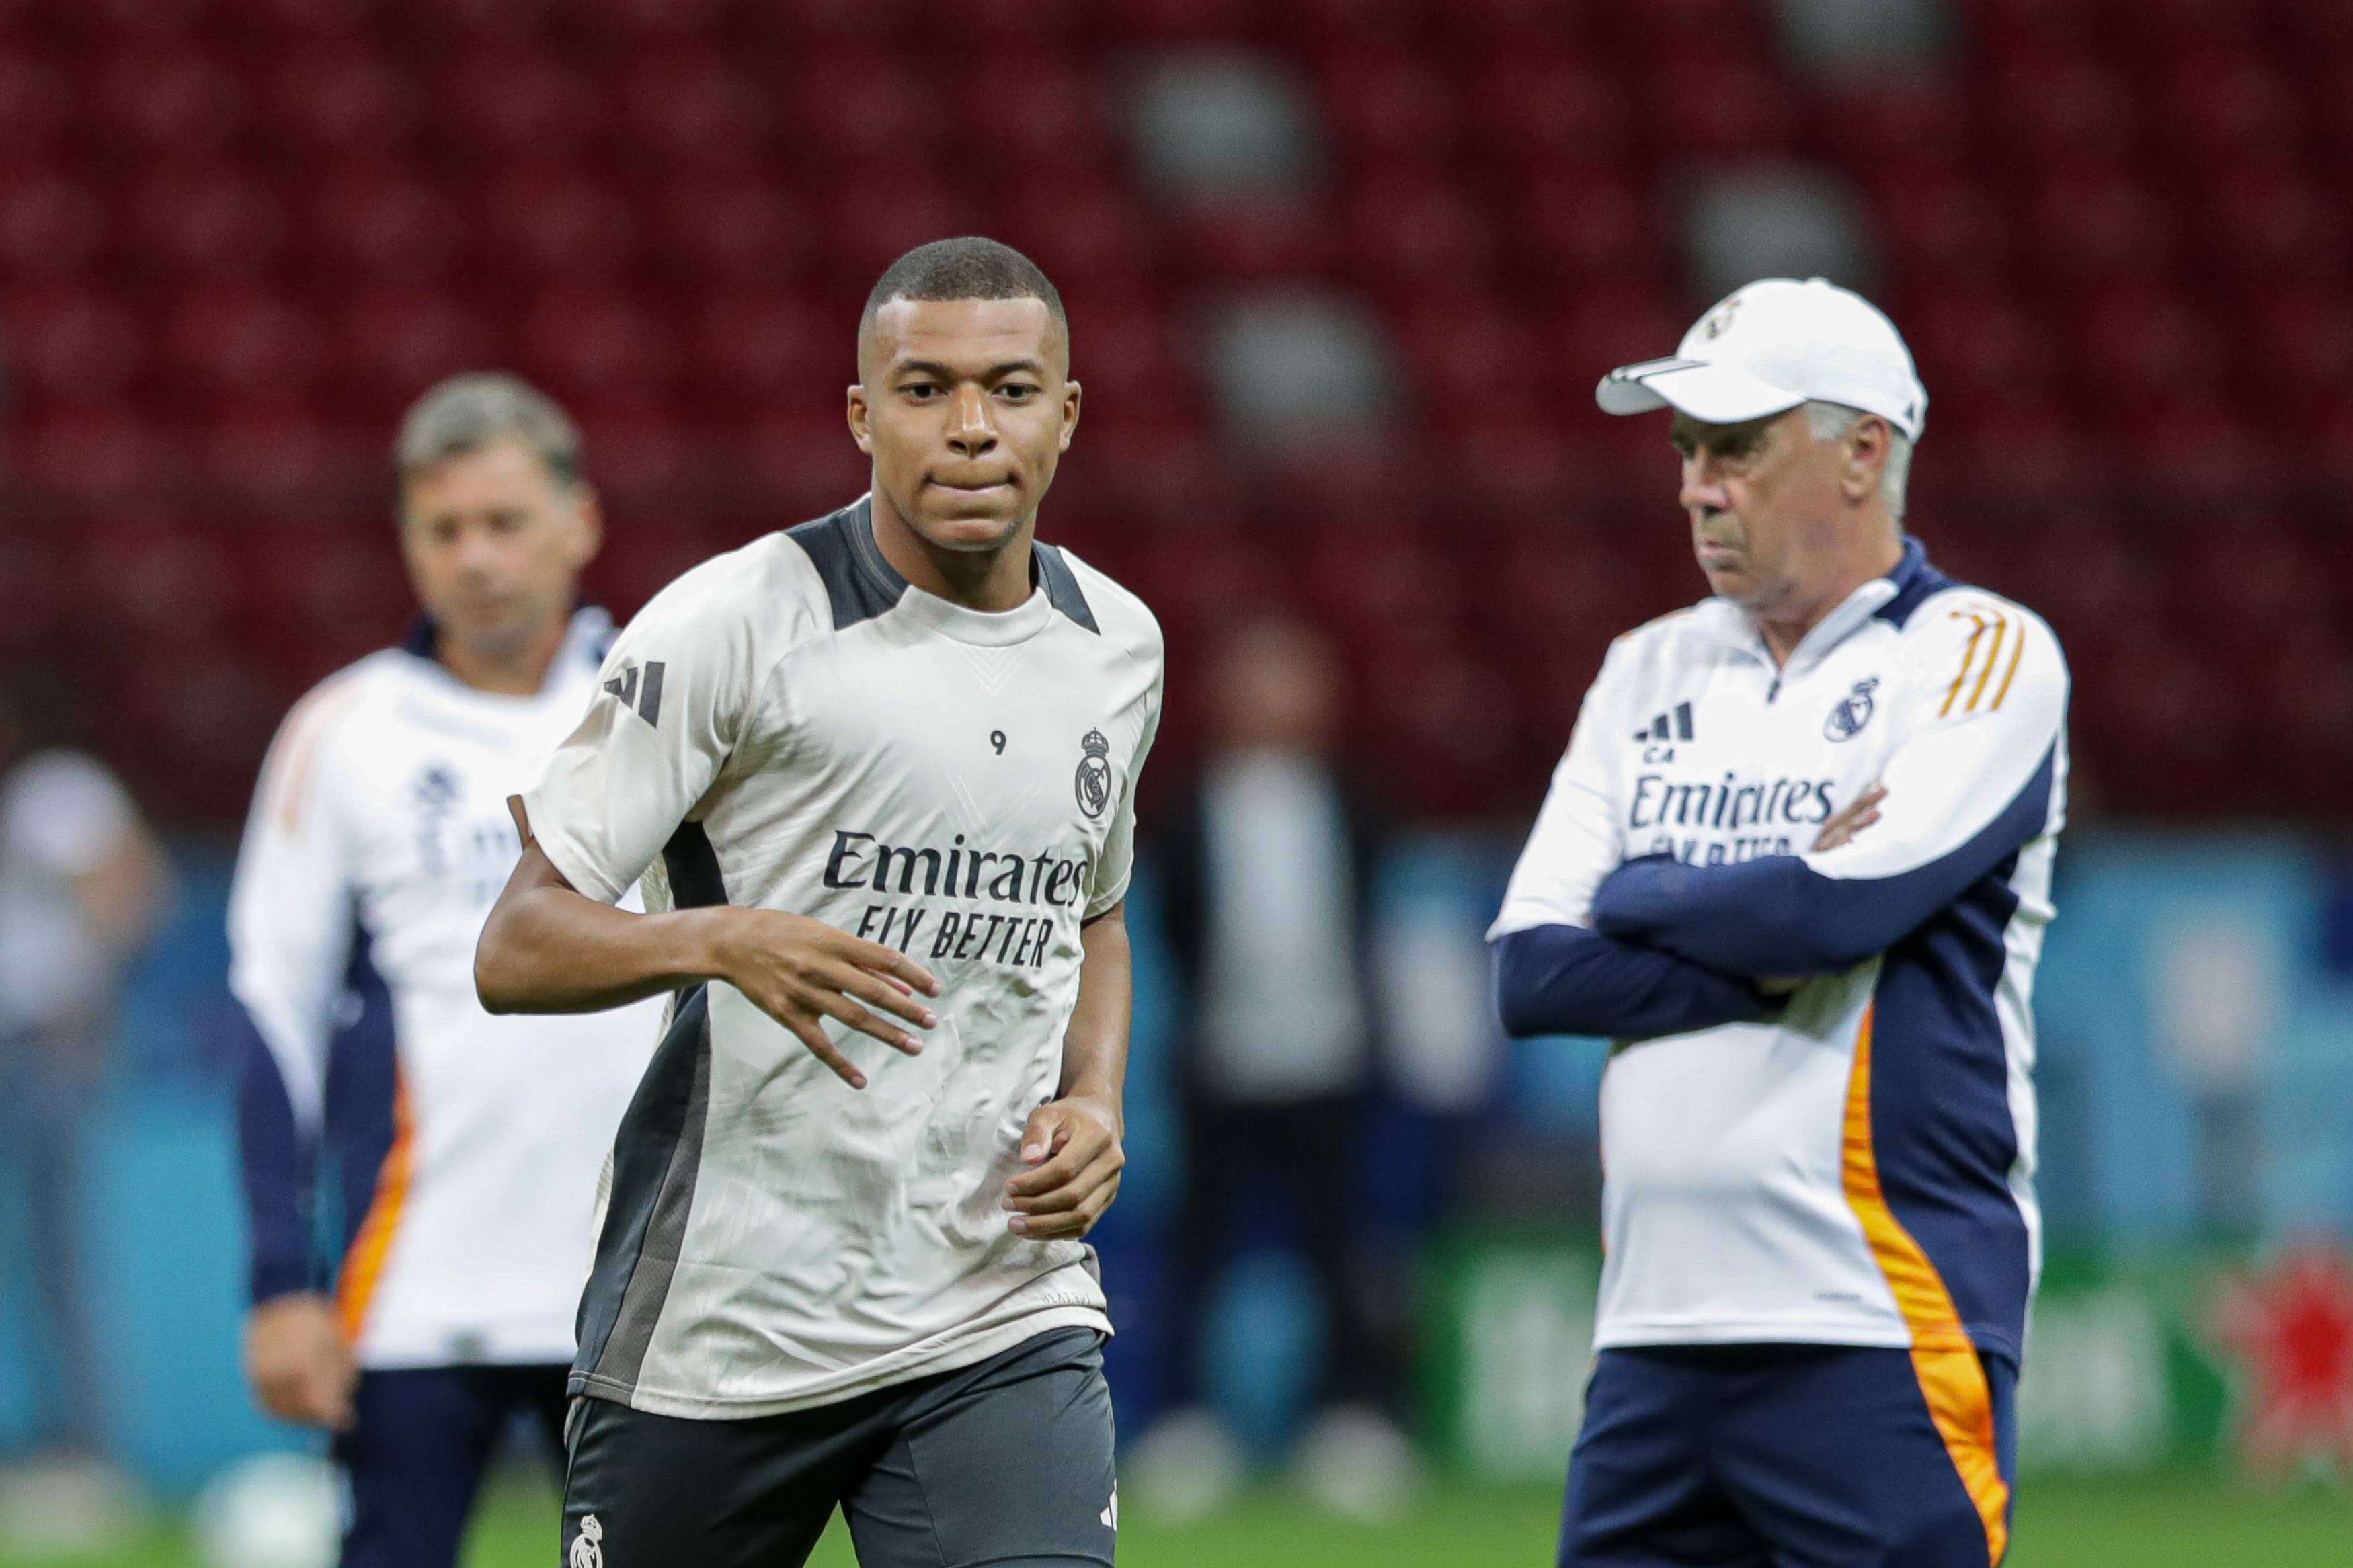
<point>1771,345</point>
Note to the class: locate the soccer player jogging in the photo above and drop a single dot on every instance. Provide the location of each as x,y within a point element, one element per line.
<point>469,1146</point>
<point>878,772</point>
<point>1797,865</point>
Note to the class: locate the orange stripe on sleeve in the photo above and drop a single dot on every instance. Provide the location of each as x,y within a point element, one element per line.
<point>1952,1379</point>
<point>1969,657</point>
<point>291,776</point>
<point>2018,649</point>
<point>363,1265</point>
<point>1993,656</point>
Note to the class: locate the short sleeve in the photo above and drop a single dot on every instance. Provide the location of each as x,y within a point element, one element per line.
<point>1575,842</point>
<point>65,814</point>
<point>1117,863</point>
<point>673,694</point>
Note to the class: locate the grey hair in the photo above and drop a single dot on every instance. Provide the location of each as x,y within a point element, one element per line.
<point>467,413</point>
<point>1832,421</point>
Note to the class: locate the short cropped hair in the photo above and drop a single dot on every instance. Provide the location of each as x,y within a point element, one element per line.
<point>467,413</point>
<point>971,266</point>
<point>1830,421</point>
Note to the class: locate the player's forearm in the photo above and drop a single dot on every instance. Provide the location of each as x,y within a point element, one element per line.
<point>547,947</point>
<point>1567,980</point>
<point>1094,1046</point>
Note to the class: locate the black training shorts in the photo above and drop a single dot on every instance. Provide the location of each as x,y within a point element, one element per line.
<point>1005,1462</point>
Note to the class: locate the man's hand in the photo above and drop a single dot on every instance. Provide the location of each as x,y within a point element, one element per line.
<point>301,1369</point>
<point>798,971</point>
<point>1073,1148</point>
<point>1857,814</point>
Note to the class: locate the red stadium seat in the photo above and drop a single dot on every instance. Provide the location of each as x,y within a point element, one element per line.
<point>2006,29</point>
<point>2269,223</point>
<point>730,227</point>
<point>33,102</point>
<point>1575,226</point>
<point>1463,349</point>
<point>1389,104</point>
<point>2296,347</point>
<point>1969,341</point>
<point>1611,325</point>
<point>1178,21</point>
<point>1257,240</point>
<point>381,222</point>
<point>1941,229</point>
<point>96,453</point>
<point>2074,106</point>
<point>516,101</point>
<point>1542,111</point>
<point>1091,235</point>
<point>598,343</point>
<point>867,105</point>
<point>2099,221</point>
<point>171,100</point>
<point>73,345</point>
<point>763,345</point>
<point>1898,125</point>
<point>693,106</point>
<point>2139,337</point>
<point>877,212</point>
<point>49,225</point>
<point>556,221</point>
<point>341,102</point>
<point>1061,128</point>
<point>206,218</point>
<point>1413,230</point>
<point>2229,105</point>
<point>237,338</point>
<point>393,341</point>
<point>1725,105</point>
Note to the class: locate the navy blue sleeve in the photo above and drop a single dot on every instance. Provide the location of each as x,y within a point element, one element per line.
<point>1776,915</point>
<point>280,1169</point>
<point>1567,980</point>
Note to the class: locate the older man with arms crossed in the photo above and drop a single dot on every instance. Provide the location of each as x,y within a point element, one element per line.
<point>1795,864</point>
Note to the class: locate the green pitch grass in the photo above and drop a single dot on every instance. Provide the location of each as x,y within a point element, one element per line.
<point>2181,1521</point>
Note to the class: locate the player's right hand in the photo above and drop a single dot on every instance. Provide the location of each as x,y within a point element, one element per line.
<point>799,971</point>
<point>301,1368</point>
<point>1857,814</point>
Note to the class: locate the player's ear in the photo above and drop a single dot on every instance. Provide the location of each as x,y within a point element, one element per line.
<point>589,514</point>
<point>861,428</point>
<point>1071,390</point>
<point>1866,455</point>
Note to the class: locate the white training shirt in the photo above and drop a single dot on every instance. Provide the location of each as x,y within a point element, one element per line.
<point>381,817</point>
<point>792,726</point>
<point>1858,1170</point>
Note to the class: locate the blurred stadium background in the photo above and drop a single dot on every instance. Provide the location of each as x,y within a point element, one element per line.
<point>1341,275</point>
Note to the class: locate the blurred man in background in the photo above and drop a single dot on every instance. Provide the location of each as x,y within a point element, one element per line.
<point>378,839</point>
<point>1268,867</point>
<point>82,881</point>
<point>1796,863</point>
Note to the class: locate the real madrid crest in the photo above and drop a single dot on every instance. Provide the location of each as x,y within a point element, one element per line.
<point>588,1546</point>
<point>1852,712</point>
<point>1093,784</point>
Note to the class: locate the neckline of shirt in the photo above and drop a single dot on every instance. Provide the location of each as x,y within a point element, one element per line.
<point>1723,622</point>
<point>985,628</point>
<point>584,640</point>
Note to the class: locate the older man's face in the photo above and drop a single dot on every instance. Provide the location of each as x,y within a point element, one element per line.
<point>1766,513</point>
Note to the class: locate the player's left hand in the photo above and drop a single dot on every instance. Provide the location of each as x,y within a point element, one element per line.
<point>1073,1149</point>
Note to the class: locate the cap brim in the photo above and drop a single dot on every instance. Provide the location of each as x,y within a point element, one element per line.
<point>1711,393</point>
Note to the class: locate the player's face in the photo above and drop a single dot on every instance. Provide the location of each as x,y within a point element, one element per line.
<point>1765,505</point>
<point>966,406</point>
<point>495,545</point>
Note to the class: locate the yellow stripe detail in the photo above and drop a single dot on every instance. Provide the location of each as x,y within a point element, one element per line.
<point>1952,1378</point>
<point>363,1265</point>
<point>1993,656</point>
<point>2017,650</point>
<point>1969,657</point>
